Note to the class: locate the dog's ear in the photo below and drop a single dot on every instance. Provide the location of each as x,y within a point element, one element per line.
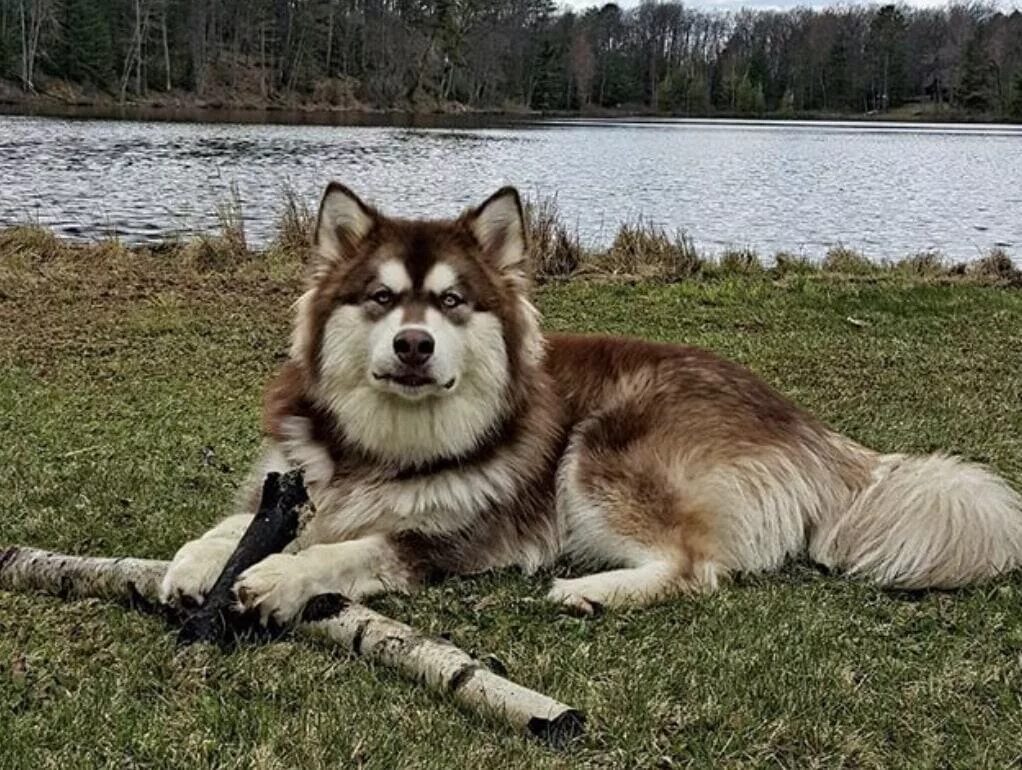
<point>499,227</point>
<point>344,220</point>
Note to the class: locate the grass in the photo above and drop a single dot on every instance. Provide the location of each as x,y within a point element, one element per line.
<point>644,250</point>
<point>129,393</point>
<point>555,245</point>
<point>294,225</point>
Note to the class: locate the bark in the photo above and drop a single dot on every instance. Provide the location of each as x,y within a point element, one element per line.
<point>166,51</point>
<point>32,21</point>
<point>139,57</point>
<point>129,60</point>
<point>197,23</point>
<point>330,37</point>
<point>434,663</point>
<point>26,77</point>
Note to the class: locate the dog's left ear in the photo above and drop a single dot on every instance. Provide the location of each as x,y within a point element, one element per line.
<point>499,226</point>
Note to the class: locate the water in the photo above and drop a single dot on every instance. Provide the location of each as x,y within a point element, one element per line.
<point>888,190</point>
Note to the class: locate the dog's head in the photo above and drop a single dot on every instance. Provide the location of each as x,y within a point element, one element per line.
<point>414,332</point>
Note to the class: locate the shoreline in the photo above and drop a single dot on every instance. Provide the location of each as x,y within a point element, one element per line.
<point>189,110</point>
<point>639,252</point>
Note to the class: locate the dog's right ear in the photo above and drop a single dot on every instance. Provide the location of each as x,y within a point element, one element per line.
<point>344,220</point>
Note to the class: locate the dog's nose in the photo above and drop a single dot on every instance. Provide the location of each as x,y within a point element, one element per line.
<point>414,347</point>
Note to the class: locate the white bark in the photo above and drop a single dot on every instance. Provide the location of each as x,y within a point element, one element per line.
<point>34,16</point>
<point>437,664</point>
<point>134,58</point>
<point>166,50</point>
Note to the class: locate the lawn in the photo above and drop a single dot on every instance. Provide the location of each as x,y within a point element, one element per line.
<point>129,393</point>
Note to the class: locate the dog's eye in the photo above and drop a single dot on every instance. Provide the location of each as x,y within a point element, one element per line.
<point>382,296</point>
<point>450,299</point>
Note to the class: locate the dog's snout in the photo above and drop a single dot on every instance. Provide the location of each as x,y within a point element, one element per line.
<point>414,347</point>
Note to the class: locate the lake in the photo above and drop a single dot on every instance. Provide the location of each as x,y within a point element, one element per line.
<point>887,189</point>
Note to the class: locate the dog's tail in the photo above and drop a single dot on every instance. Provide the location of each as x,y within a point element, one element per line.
<point>925,522</point>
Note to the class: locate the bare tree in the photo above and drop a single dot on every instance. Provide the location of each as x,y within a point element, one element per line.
<point>583,65</point>
<point>486,53</point>
<point>36,15</point>
<point>134,57</point>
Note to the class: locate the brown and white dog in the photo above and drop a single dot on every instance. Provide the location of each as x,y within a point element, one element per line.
<point>442,432</point>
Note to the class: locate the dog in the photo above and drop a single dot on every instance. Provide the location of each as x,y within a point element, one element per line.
<point>441,431</point>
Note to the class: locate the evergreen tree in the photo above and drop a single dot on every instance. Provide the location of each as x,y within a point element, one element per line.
<point>1015,108</point>
<point>86,45</point>
<point>887,57</point>
<point>495,53</point>
<point>750,99</point>
<point>838,92</point>
<point>975,84</point>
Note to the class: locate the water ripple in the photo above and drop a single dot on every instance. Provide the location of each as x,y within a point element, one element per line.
<point>888,189</point>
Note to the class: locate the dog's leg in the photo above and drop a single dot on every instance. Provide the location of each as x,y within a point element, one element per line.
<point>280,585</point>
<point>198,563</point>
<point>635,585</point>
<point>622,506</point>
<point>660,577</point>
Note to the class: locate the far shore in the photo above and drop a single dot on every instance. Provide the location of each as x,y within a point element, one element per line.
<point>188,108</point>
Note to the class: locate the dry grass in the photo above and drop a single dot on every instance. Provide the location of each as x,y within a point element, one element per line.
<point>926,264</point>
<point>845,261</point>
<point>646,250</point>
<point>295,225</point>
<point>786,263</point>
<point>740,262</point>
<point>229,244</point>
<point>555,247</point>
<point>996,266</point>
<point>231,217</point>
<point>640,250</point>
<point>28,241</point>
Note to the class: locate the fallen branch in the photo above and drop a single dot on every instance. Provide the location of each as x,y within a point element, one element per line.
<point>274,525</point>
<point>438,664</point>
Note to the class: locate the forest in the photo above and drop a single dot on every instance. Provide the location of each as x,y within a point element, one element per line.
<point>961,60</point>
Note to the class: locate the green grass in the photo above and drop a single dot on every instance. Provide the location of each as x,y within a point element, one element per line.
<point>115,375</point>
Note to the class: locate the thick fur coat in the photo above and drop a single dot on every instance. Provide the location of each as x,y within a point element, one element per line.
<point>441,432</point>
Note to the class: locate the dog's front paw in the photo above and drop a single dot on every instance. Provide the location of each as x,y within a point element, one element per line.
<point>278,587</point>
<point>194,569</point>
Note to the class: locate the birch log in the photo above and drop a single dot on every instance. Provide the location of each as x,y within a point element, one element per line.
<point>437,664</point>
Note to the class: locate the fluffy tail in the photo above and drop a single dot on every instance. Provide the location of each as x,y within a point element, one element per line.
<point>925,522</point>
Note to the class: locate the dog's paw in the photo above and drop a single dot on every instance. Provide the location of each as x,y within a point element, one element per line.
<point>194,569</point>
<point>277,587</point>
<point>571,595</point>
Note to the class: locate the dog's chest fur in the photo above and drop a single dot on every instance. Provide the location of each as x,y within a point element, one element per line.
<point>494,507</point>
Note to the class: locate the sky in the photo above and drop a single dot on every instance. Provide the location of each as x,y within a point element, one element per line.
<point>732,5</point>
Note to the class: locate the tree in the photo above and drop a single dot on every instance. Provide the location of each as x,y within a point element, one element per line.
<point>196,43</point>
<point>1015,110</point>
<point>583,65</point>
<point>86,51</point>
<point>974,91</point>
<point>35,17</point>
<point>135,55</point>
<point>492,53</point>
<point>886,45</point>
<point>749,97</point>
